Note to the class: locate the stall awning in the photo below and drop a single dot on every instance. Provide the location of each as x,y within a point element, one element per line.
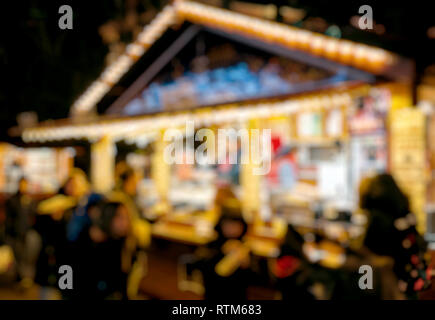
<point>370,59</point>
<point>126,128</point>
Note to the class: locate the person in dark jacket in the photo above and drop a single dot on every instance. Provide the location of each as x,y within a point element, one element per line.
<point>392,247</point>
<point>99,251</point>
<point>20,232</point>
<point>225,262</point>
<point>292,269</point>
<point>392,233</point>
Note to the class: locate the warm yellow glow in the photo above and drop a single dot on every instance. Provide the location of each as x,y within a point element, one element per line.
<point>364,57</point>
<point>103,165</point>
<point>360,56</point>
<point>148,126</point>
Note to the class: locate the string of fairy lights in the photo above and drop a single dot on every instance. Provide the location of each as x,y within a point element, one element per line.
<point>350,53</point>
<point>132,129</point>
<point>122,64</point>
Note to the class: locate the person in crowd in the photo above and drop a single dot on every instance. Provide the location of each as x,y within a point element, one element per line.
<point>292,270</point>
<point>391,246</point>
<point>392,233</point>
<point>60,220</point>
<point>78,218</point>
<point>283,172</point>
<point>20,233</point>
<point>103,259</point>
<point>225,262</point>
<point>140,237</point>
<point>125,190</point>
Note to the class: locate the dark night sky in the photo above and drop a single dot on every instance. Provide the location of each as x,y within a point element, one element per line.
<point>44,68</point>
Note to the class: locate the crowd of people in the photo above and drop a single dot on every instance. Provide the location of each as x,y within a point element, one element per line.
<point>105,240</point>
<point>101,237</point>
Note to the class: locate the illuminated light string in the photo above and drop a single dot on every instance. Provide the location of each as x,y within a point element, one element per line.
<point>343,51</point>
<point>130,129</point>
<point>116,70</point>
<point>359,55</point>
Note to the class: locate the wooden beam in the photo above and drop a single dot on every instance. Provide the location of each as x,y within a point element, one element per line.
<point>153,69</point>
<point>297,55</point>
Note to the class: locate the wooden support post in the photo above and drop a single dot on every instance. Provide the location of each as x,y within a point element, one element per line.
<point>160,169</point>
<point>250,183</point>
<point>103,165</point>
<point>408,158</point>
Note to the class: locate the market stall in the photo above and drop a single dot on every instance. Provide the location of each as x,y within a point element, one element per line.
<point>326,102</point>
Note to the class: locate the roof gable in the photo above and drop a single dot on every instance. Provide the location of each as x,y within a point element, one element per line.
<point>236,25</point>
<point>205,68</point>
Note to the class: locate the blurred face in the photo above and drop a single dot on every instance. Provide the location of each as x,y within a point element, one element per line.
<point>232,229</point>
<point>94,212</point>
<point>130,185</point>
<point>70,187</point>
<point>23,186</point>
<point>121,222</point>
